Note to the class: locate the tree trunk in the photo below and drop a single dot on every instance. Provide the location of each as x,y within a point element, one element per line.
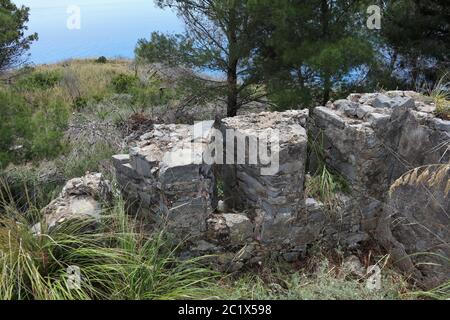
<point>325,19</point>
<point>232,81</point>
<point>232,100</point>
<point>415,73</point>
<point>326,90</point>
<point>393,62</point>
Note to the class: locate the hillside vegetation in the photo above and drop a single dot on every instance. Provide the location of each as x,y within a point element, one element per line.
<point>69,118</point>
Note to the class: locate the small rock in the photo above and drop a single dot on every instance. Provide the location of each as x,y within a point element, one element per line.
<point>330,115</point>
<point>378,120</point>
<point>353,265</point>
<point>121,159</point>
<point>443,125</point>
<point>363,110</point>
<point>221,206</point>
<point>312,204</point>
<point>347,107</point>
<point>234,228</point>
<point>383,101</point>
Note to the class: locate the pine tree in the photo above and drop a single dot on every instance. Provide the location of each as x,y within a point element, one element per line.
<point>220,37</point>
<point>313,48</point>
<point>417,33</point>
<point>13,42</point>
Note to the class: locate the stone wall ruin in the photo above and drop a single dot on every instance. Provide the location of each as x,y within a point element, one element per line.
<point>371,140</point>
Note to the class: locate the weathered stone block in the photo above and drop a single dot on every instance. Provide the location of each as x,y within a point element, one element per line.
<point>230,229</point>
<point>81,199</point>
<point>121,159</point>
<point>275,199</point>
<point>392,102</point>
<point>165,175</point>
<point>382,142</point>
<point>362,111</point>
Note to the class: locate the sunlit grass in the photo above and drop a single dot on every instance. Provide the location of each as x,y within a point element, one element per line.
<point>79,78</point>
<point>116,262</point>
<point>441,97</point>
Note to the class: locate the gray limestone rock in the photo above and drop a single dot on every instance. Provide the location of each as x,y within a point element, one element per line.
<point>415,225</point>
<point>370,140</point>
<point>275,198</point>
<point>80,199</point>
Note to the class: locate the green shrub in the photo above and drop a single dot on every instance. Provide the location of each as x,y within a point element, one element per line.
<point>40,80</point>
<point>80,103</point>
<point>149,96</point>
<point>27,186</point>
<point>49,124</point>
<point>124,83</point>
<point>15,127</point>
<point>84,157</point>
<point>101,59</point>
<point>286,98</point>
<point>30,132</point>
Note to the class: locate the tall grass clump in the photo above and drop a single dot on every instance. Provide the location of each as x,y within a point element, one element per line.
<point>116,261</point>
<point>443,291</point>
<point>440,293</point>
<point>441,97</point>
<point>324,183</point>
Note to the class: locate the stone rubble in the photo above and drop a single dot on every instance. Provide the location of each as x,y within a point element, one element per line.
<point>268,209</point>
<point>373,139</point>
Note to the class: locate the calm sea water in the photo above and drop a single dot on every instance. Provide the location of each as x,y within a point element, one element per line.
<point>108,28</point>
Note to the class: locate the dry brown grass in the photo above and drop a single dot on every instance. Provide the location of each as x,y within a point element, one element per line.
<point>80,78</point>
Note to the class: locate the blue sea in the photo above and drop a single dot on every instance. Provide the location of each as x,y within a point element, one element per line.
<point>92,28</point>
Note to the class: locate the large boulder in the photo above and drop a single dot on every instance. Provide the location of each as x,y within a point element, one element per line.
<point>416,227</point>
<point>81,199</point>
